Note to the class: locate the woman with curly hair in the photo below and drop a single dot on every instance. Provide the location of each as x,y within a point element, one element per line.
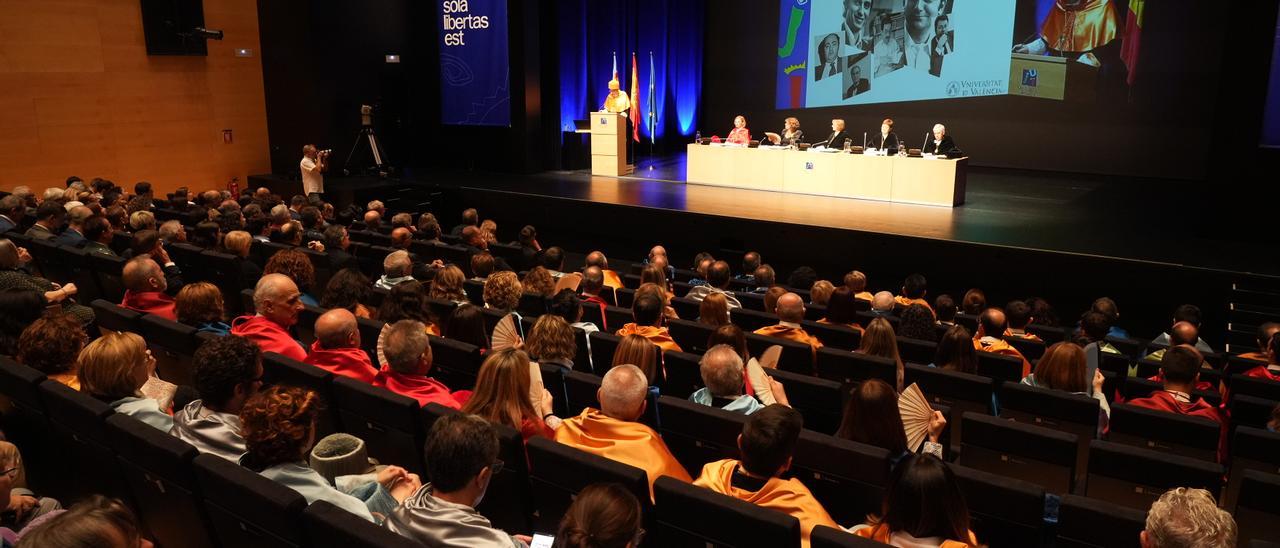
<point>538,281</point>
<point>502,291</point>
<point>502,396</point>
<point>297,266</point>
<point>51,345</point>
<point>918,323</point>
<point>113,370</point>
<point>348,289</point>
<point>447,285</point>
<point>405,301</point>
<point>552,341</point>
<point>200,305</point>
<point>489,231</point>
<point>279,427</point>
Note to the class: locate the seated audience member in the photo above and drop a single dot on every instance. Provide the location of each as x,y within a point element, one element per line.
<point>1108,308</point>
<point>22,507</point>
<point>172,232</point>
<point>207,234</point>
<point>405,301</point>
<point>945,307</point>
<point>955,351</point>
<point>502,394</point>
<point>466,324</point>
<point>871,416</point>
<point>879,340</point>
<point>771,298</point>
<point>336,243</point>
<point>373,221</point>
<point>462,457</point>
<point>1093,333</point>
<point>297,266</point>
<point>407,351</point>
<point>553,261</point>
<point>94,521</point>
<point>857,284</point>
<point>1271,371</point>
<point>50,345</point>
<point>842,309</point>
<point>1189,313</point>
<point>200,305</point>
<point>1019,317</point>
<point>400,238</point>
<point>502,291</point>
<point>882,303</point>
<point>538,281</point>
<point>279,427</point>
<point>714,310</point>
<point>764,277</point>
<point>475,243</point>
<point>73,235</point>
<point>12,211</point>
<point>142,220</point>
<point>723,375</point>
<point>750,262</point>
<point>1043,312</point>
<point>337,347</point>
<point>348,289</point>
<point>591,286</point>
<point>701,263</point>
<point>552,341</point>
<point>918,323</point>
<point>145,286</point>
<point>611,278</point>
<point>973,302</point>
<point>238,243</point>
<point>717,282</point>
<point>14,277</point>
<point>428,228</point>
<point>766,444</point>
<point>529,246</point>
<point>1064,367</point>
<point>820,295</point>
<point>922,507</point>
<point>790,314</point>
<point>49,217</point>
<point>1181,333</point>
<point>914,289</point>
<point>113,369</point>
<point>481,266</point>
<point>98,236</point>
<point>603,515</point>
<point>613,431</point>
<point>990,337</point>
<point>1180,369</point>
<point>647,322</point>
<point>276,301</point>
<point>397,268</point>
<point>447,285</point>
<point>638,351</point>
<point>18,309</point>
<point>1265,332</point>
<point>1184,517</point>
<point>226,372</point>
<point>568,305</point>
<point>470,217</point>
<point>803,277</point>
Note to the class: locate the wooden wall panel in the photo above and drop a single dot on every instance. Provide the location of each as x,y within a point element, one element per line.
<point>80,96</point>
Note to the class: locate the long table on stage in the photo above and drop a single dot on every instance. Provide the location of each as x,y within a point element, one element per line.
<point>929,181</point>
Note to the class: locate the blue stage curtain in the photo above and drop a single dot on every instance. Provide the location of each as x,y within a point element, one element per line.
<point>592,30</point>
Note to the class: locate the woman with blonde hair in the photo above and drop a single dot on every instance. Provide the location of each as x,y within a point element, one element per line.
<point>638,351</point>
<point>238,243</point>
<point>501,396</point>
<point>489,231</point>
<point>879,340</point>
<point>447,285</point>
<point>714,310</point>
<point>821,292</point>
<point>502,291</point>
<point>113,370</point>
<point>200,305</point>
<point>552,341</point>
<point>538,281</point>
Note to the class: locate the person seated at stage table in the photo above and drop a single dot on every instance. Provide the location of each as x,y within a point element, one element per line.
<point>790,314</point>
<point>277,301</point>
<point>837,138</point>
<point>613,430</point>
<point>791,135</point>
<point>941,144</point>
<point>1180,368</point>
<point>1181,333</point>
<point>914,290</point>
<point>842,310</point>
<point>611,278</point>
<point>945,308</point>
<point>647,314</point>
<point>739,135</point>
<point>1184,516</point>
<point>1271,371</point>
<point>923,506</point>
<point>857,283</point>
<point>886,139</point>
<point>145,286</point>
<point>764,278</point>
<point>337,347</point>
<point>1263,338</point>
<point>1186,313</point>
<point>1019,317</point>
<point>717,282</point>
<point>766,445</point>
<point>990,337</point>
<point>408,362</point>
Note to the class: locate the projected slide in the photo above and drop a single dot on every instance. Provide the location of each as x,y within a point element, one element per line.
<point>854,52</point>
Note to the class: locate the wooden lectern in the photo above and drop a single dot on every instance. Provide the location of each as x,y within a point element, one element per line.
<point>609,144</point>
<point>1049,77</point>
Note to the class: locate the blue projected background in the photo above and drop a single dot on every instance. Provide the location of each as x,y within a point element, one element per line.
<point>474,65</point>
<point>1271,114</point>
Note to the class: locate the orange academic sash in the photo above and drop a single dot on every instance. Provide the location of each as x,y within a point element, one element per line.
<point>656,335</point>
<point>788,496</point>
<point>624,441</point>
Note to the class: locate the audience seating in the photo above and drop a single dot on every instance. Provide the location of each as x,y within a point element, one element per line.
<point>1003,511</point>
<point>1172,433</point>
<point>835,336</point>
<point>686,308</point>
<point>603,345</point>
<point>80,442</point>
<point>1134,477</point>
<point>999,367</point>
<point>1071,413</point>
<point>559,472</point>
<point>796,357</point>
<point>113,317</point>
<point>852,368</point>
<point>692,336</point>
<point>454,363</point>
<point>690,516</point>
<point>1092,523</point>
<point>327,526</point>
<point>916,350</point>
<point>960,391</point>
<point>1250,411</point>
<point>247,509</point>
<point>820,401</point>
<point>391,425</point>
<point>1252,386</point>
<point>1034,454</point>
<point>683,374</point>
<point>508,503</point>
<point>1251,449</point>
<point>697,434</point>
<point>282,370</point>
<point>751,320</point>
<point>848,477</point>
<point>1255,511</point>
<point>172,344</point>
<point>826,537</point>
<point>1138,387</point>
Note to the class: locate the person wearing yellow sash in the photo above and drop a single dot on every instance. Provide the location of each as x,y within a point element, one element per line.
<point>646,312</point>
<point>790,314</point>
<point>990,337</point>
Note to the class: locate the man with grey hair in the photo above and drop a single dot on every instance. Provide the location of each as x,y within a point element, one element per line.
<point>397,268</point>
<point>377,205</point>
<point>337,347</point>
<point>723,378</point>
<point>12,209</point>
<point>613,431</point>
<point>279,216</point>
<point>941,143</point>
<point>404,349</point>
<point>277,301</point>
<point>145,286</point>
<point>54,194</point>
<point>73,236</point>
<point>172,232</point>
<point>882,303</point>
<point>1184,518</point>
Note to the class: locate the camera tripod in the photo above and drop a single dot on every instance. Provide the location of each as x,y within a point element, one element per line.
<point>366,134</point>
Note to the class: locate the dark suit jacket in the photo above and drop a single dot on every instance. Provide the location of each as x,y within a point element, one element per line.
<point>835,140</point>
<point>6,224</point>
<point>798,137</point>
<point>935,60</point>
<point>340,259</point>
<point>947,145</point>
<point>890,142</point>
<point>498,262</point>
<point>861,86</point>
<point>70,237</point>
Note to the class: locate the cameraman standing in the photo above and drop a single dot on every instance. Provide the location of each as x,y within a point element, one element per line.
<point>314,163</point>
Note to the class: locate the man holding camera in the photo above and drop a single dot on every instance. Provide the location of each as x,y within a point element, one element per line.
<point>314,163</point>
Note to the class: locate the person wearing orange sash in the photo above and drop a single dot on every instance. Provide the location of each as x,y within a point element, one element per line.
<point>790,313</point>
<point>857,283</point>
<point>611,278</point>
<point>990,337</point>
<point>612,431</point>
<point>337,347</point>
<point>277,302</point>
<point>914,289</point>
<point>922,507</point>
<point>1180,368</point>
<point>1075,27</point>
<point>1265,332</point>
<point>1019,317</point>
<point>647,313</point>
<point>766,444</point>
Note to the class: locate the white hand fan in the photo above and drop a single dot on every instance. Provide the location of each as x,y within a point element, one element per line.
<point>916,414</point>
<point>505,334</point>
<point>760,382</point>
<point>769,358</point>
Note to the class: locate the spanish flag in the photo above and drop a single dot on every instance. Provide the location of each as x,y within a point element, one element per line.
<point>1132,38</point>
<point>634,115</point>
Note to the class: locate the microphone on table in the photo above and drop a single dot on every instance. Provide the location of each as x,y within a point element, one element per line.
<point>926,141</point>
<point>864,140</point>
